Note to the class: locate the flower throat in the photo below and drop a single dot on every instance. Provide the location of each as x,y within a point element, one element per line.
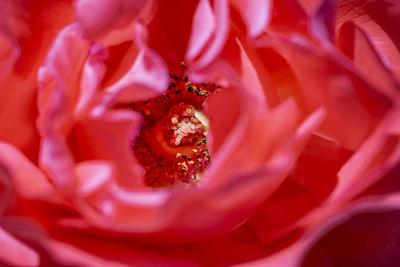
<point>172,143</point>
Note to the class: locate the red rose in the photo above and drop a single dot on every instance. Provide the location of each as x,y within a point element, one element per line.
<point>199,133</point>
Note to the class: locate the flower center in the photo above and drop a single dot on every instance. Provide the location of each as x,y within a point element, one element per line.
<point>172,143</point>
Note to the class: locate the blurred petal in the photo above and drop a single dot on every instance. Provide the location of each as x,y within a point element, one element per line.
<point>23,24</point>
<point>256,14</point>
<point>323,20</point>
<point>338,87</point>
<point>323,220</point>
<point>59,81</point>
<point>16,253</point>
<point>28,179</point>
<point>99,20</point>
<point>109,137</point>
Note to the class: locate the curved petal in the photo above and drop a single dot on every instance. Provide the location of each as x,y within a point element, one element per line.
<point>203,27</point>
<point>109,137</point>
<point>59,82</point>
<point>256,14</point>
<point>221,9</point>
<point>356,44</point>
<point>322,21</point>
<point>378,20</point>
<point>322,222</point>
<point>110,21</point>
<point>338,87</point>
<point>22,25</point>
<point>27,178</point>
<point>15,253</point>
<point>146,78</point>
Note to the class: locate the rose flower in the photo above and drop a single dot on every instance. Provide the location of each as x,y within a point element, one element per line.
<point>192,133</point>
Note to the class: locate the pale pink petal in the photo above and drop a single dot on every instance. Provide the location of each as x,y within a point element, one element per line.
<point>92,175</point>
<point>203,27</point>
<point>146,78</point>
<point>98,20</point>
<point>59,81</point>
<point>15,252</point>
<point>256,14</point>
<point>221,11</point>
<point>92,74</point>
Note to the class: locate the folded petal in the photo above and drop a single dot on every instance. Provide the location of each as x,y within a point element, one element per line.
<point>256,14</point>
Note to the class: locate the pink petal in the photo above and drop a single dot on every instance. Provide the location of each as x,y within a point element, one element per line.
<point>108,137</point>
<point>203,27</point>
<point>378,20</point>
<point>92,75</point>
<point>99,20</point>
<point>356,44</point>
<point>322,21</point>
<point>221,33</point>
<point>340,94</point>
<point>147,76</point>
<point>16,253</point>
<point>25,25</point>
<point>256,14</point>
<point>59,82</point>
<point>92,175</point>
<point>29,180</point>
<point>370,162</point>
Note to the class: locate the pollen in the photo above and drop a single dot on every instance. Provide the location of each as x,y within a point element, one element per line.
<point>172,143</point>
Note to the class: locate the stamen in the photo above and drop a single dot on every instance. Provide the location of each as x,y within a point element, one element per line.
<point>172,143</point>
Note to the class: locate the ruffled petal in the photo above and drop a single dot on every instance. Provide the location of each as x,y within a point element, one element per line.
<point>59,81</point>
<point>146,78</point>
<point>22,25</point>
